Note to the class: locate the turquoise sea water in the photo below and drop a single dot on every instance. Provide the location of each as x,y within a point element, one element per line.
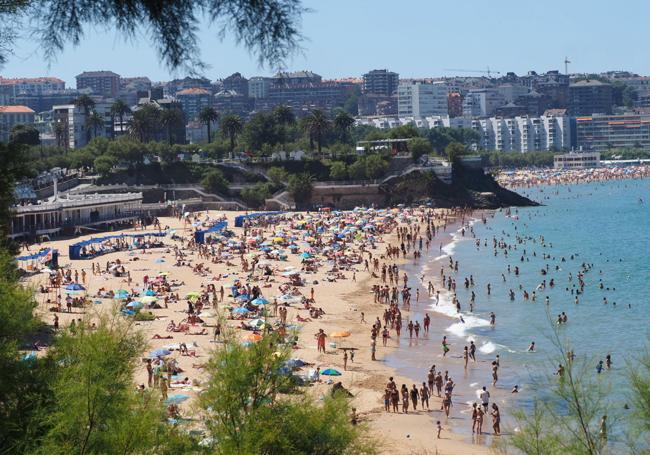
<point>605,225</point>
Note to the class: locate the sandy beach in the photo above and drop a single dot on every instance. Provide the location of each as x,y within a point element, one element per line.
<point>343,296</point>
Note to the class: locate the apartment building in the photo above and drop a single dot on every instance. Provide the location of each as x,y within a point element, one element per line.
<point>30,86</point>
<point>420,99</point>
<point>194,100</point>
<point>380,82</point>
<point>603,132</point>
<point>103,83</point>
<point>11,116</point>
<point>590,97</point>
<point>482,102</point>
<point>258,87</point>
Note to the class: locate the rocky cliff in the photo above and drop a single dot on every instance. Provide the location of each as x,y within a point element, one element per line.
<point>471,188</point>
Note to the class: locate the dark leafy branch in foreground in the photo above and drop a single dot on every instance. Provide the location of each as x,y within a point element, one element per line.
<point>268,28</point>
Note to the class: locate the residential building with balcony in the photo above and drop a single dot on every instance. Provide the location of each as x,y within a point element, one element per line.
<point>103,83</point>
<point>589,97</point>
<point>421,99</point>
<point>380,82</point>
<point>603,132</point>
<point>193,101</point>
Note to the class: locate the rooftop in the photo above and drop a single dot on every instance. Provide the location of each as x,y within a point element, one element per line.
<point>29,80</point>
<point>101,73</point>
<point>193,91</point>
<point>15,110</point>
<point>78,200</point>
<point>588,83</point>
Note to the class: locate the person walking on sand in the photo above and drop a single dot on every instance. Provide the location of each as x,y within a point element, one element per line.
<point>424,395</point>
<point>345,360</point>
<point>405,399</point>
<point>415,397</point>
<point>320,337</point>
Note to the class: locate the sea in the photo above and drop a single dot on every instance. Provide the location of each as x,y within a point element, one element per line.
<point>600,227</point>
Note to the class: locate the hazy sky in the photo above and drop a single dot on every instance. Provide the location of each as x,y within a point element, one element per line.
<point>416,38</point>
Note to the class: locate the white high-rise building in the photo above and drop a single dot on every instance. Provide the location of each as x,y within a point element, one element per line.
<point>258,87</point>
<point>482,103</point>
<point>551,131</point>
<point>420,99</point>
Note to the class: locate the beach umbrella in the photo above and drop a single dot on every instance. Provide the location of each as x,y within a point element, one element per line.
<point>134,305</point>
<point>193,295</point>
<point>341,334</point>
<point>257,322</point>
<point>259,301</point>
<point>305,255</point>
<point>252,337</point>
<point>159,353</point>
<point>330,372</point>
<point>159,261</point>
<point>163,273</point>
<point>148,299</point>
<point>75,287</point>
<point>121,294</point>
<point>241,310</point>
<point>242,297</point>
<point>149,293</point>
<point>177,399</point>
<point>293,247</point>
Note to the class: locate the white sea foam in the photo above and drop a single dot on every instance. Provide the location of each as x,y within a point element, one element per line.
<point>488,348</point>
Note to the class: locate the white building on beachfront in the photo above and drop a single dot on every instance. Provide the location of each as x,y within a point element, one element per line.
<point>72,211</point>
<point>577,160</point>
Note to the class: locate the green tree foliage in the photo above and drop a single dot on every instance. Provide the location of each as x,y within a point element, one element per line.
<point>343,122</point>
<point>251,409</point>
<point>208,116</point>
<point>440,138</point>
<point>300,188</point>
<point>262,129</point>
<point>338,170</point>
<point>455,150</point>
<point>215,182</point>
<point>96,408</point>
<point>23,384</point>
<point>172,119</point>
<point>623,94</point>
<point>278,175</point>
<point>13,166</point>
<point>25,135</point>
<point>104,164</point>
<point>254,196</point>
<point>146,123</point>
<point>368,167</point>
<point>420,146</point>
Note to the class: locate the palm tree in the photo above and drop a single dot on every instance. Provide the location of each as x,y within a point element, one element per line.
<point>87,104</point>
<point>170,119</point>
<point>208,116</point>
<point>60,132</point>
<point>317,124</point>
<point>342,123</point>
<point>137,128</point>
<point>94,122</point>
<point>118,109</point>
<point>231,126</point>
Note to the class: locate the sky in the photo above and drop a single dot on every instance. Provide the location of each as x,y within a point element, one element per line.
<point>416,38</point>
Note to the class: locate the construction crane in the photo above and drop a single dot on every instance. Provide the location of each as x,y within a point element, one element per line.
<point>566,65</point>
<point>485,71</point>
